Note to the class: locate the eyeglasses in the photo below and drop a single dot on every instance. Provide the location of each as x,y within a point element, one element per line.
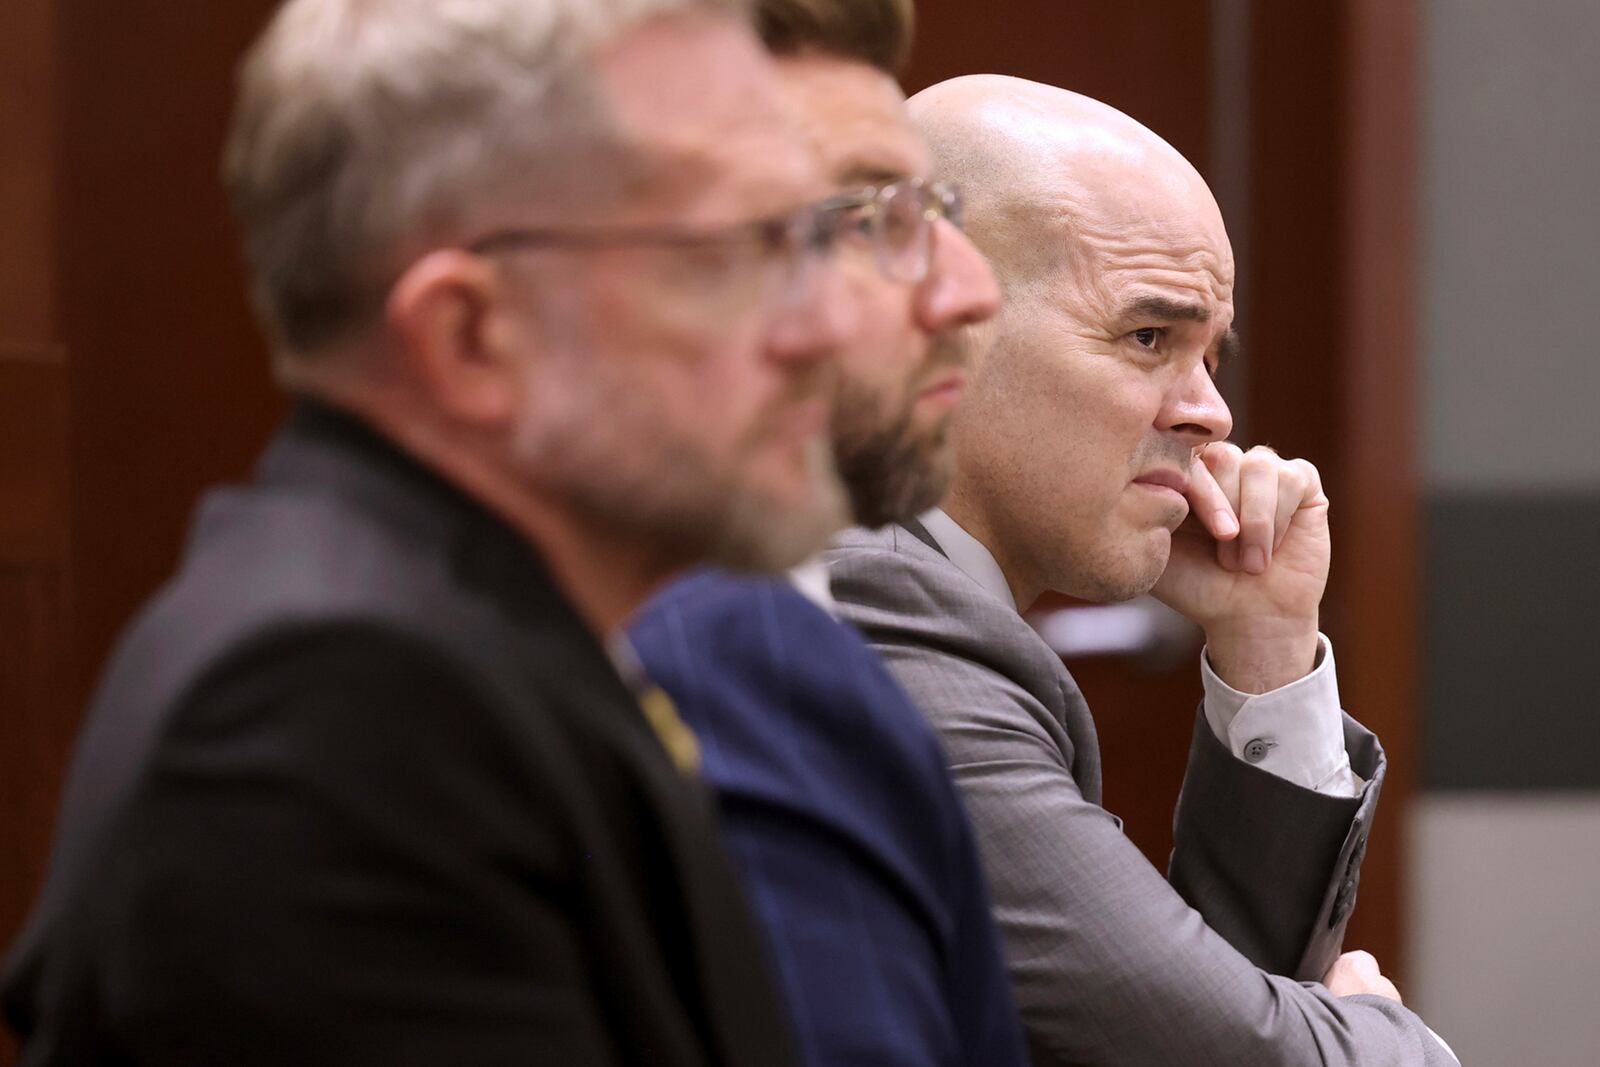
<point>896,221</point>
<point>736,267</point>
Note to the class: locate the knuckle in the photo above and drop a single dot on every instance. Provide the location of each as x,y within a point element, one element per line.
<point>1261,478</point>
<point>1218,452</point>
<point>1260,460</point>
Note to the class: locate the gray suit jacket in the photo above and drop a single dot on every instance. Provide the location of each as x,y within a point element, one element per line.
<point>1113,964</point>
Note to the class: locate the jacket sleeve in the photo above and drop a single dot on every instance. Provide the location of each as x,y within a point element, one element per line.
<point>1271,866</point>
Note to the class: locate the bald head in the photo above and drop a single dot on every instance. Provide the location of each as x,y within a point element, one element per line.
<point>1096,377</point>
<point>1034,159</point>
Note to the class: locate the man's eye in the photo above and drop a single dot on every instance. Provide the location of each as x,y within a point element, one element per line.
<point>1147,337</point>
<point>859,225</point>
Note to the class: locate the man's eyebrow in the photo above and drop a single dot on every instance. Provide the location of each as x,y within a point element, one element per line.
<point>1228,347</point>
<point>871,174</point>
<point>1164,309</point>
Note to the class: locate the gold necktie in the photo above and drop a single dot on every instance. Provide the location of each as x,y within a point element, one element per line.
<point>675,735</point>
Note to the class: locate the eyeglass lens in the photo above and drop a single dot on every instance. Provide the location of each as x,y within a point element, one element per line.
<point>904,230</point>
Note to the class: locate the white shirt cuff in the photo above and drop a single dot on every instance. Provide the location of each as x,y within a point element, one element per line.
<point>1442,1042</point>
<point>1295,732</point>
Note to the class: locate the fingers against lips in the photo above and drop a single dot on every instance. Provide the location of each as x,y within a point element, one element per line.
<point>1221,460</point>
<point>1209,503</point>
<point>1259,491</point>
<point>1258,509</point>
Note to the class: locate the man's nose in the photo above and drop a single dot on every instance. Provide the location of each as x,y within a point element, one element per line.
<point>1195,409</point>
<point>960,288</point>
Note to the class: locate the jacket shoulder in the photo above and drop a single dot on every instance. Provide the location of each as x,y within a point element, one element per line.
<point>900,592</point>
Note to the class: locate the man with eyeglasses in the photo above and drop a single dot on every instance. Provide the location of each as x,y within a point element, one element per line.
<point>362,785</point>
<point>854,847</point>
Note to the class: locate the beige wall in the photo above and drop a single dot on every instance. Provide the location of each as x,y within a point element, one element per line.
<point>1504,937</point>
<point>1505,942</point>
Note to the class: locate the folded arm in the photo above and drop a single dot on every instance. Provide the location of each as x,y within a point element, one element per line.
<point>1112,965</point>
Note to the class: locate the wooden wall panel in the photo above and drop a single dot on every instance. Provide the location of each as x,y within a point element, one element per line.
<point>33,458</point>
<point>35,724</point>
<point>1378,365</point>
<point>114,240</point>
<point>34,472</point>
<point>1150,58</point>
<point>27,174</point>
<point>169,377</point>
<point>34,735</point>
<point>1296,314</point>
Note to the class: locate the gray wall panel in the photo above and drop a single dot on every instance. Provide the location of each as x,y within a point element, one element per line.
<point>1511,243</point>
<point>1511,647</point>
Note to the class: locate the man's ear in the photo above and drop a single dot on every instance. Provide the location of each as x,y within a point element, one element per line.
<point>449,313</point>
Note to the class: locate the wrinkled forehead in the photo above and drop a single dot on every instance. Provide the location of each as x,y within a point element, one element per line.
<point>698,99</point>
<point>1135,226</point>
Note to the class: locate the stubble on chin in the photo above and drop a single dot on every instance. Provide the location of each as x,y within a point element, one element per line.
<point>1121,570</point>
<point>619,466</point>
<point>762,535</point>
<point>893,468</point>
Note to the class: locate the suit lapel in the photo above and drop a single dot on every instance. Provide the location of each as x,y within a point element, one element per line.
<point>1034,664</point>
<point>915,528</point>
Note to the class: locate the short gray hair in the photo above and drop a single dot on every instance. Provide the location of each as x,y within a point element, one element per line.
<point>365,125</point>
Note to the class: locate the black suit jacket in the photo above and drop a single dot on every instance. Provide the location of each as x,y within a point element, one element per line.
<point>359,787</point>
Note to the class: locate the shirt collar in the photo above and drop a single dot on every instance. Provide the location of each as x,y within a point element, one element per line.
<point>968,554</point>
<point>811,578</point>
<point>625,659</point>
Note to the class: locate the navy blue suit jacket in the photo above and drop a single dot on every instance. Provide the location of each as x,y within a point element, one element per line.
<point>854,847</point>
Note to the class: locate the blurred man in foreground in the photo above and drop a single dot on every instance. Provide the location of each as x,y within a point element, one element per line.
<point>361,784</point>
<point>1093,430</point>
<point>856,852</point>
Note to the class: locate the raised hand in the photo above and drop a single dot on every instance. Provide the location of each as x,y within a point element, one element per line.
<point>1251,562</point>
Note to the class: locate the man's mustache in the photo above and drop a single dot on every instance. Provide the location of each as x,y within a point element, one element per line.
<point>947,351</point>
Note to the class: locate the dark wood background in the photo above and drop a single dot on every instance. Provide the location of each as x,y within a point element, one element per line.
<point>131,375</point>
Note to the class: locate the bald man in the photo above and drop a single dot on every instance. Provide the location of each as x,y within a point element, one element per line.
<point>1091,460</point>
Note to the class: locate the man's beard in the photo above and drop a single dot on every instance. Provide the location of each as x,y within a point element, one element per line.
<point>603,449</point>
<point>892,469</point>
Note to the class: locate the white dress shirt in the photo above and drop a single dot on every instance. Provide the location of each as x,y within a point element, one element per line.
<point>1296,732</point>
<point>811,578</point>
